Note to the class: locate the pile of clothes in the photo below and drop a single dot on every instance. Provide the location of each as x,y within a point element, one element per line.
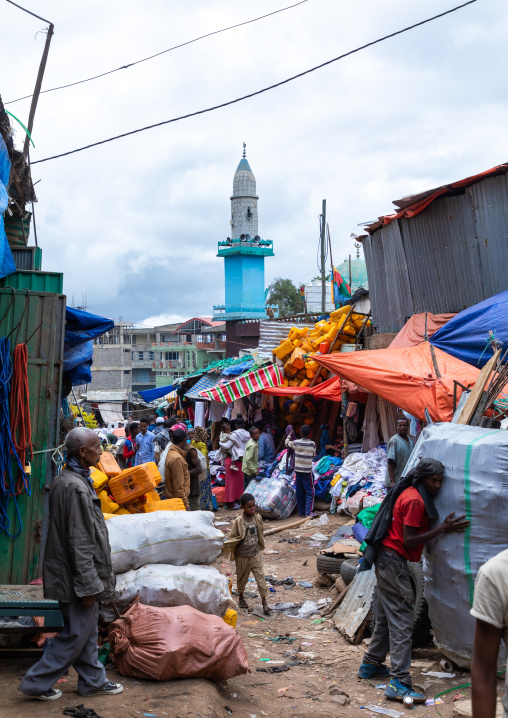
<point>360,481</point>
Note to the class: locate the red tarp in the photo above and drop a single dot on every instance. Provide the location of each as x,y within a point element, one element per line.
<point>413,331</point>
<point>406,377</point>
<point>329,389</point>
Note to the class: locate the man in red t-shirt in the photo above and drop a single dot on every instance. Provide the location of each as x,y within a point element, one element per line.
<point>404,541</point>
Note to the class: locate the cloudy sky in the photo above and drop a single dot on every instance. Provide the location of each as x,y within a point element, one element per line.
<point>134,224</point>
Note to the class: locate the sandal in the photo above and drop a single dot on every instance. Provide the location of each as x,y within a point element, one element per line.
<point>242,603</point>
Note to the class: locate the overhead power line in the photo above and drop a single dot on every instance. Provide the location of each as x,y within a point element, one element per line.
<point>259,92</point>
<point>163,52</point>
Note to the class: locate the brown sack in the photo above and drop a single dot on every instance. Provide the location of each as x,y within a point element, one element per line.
<point>179,642</point>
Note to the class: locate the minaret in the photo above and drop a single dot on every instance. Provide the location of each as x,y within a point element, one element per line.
<point>244,201</point>
<point>244,254</point>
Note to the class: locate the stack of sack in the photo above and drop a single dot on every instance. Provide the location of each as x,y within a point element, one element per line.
<point>162,563</point>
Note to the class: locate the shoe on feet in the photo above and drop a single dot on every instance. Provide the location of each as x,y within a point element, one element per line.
<point>398,691</point>
<point>110,689</point>
<point>52,695</point>
<point>373,670</point>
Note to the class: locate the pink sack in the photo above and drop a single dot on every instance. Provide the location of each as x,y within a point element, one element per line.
<point>179,642</point>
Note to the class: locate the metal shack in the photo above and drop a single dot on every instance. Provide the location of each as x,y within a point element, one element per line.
<point>442,251</point>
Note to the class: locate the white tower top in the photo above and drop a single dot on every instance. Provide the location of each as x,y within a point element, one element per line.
<point>244,201</point>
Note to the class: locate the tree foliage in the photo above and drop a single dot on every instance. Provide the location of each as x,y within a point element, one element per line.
<point>284,293</point>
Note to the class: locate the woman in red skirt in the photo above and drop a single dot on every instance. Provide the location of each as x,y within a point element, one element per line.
<point>233,444</point>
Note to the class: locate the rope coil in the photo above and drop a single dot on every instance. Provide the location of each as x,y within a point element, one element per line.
<point>8,487</point>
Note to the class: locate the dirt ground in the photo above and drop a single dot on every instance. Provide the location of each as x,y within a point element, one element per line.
<point>307,690</point>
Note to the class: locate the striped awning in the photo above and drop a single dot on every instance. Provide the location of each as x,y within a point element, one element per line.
<point>206,382</point>
<point>253,381</point>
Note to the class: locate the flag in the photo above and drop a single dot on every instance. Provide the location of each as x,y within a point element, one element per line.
<point>340,288</point>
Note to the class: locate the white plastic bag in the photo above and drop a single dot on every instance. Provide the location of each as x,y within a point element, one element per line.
<point>173,537</point>
<point>201,587</point>
<point>162,464</point>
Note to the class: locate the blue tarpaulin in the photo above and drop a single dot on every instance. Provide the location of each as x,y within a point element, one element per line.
<point>236,369</point>
<point>7,265</point>
<point>80,329</point>
<point>153,394</point>
<point>466,336</point>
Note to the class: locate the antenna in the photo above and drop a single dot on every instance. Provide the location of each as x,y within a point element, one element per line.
<point>244,150</point>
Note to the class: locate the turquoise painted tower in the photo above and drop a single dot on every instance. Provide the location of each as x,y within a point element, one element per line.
<point>244,253</point>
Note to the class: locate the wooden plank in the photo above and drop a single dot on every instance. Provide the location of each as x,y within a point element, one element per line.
<point>477,390</point>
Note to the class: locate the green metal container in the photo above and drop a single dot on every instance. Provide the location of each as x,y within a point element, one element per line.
<point>41,319</point>
<point>34,281</point>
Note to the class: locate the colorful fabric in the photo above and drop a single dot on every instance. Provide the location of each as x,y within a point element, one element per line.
<point>267,376</point>
<point>340,288</point>
<point>205,494</point>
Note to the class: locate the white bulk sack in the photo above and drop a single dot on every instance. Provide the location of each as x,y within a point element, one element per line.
<point>201,587</point>
<point>475,483</point>
<point>174,537</point>
<point>275,498</point>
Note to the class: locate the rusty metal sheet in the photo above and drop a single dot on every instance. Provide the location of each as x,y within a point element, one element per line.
<point>448,257</point>
<point>355,607</point>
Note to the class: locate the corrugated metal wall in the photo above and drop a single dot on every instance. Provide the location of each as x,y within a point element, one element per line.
<point>43,315</point>
<point>449,257</point>
<point>271,334</point>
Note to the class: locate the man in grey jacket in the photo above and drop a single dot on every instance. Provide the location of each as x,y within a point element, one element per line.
<point>77,572</point>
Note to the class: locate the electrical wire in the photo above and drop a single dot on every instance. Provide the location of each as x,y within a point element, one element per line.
<point>259,92</point>
<point>158,54</point>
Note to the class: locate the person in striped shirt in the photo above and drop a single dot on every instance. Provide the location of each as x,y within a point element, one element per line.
<point>305,450</point>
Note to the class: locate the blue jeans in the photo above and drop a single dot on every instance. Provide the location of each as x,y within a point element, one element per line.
<point>304,493</point>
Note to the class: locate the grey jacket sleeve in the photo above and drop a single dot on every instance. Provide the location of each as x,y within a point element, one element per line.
<point>81,545</point>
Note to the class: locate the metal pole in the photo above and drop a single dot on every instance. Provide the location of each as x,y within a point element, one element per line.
<point>323,269</point>
<point>350,272</point>
<point>37,90</point>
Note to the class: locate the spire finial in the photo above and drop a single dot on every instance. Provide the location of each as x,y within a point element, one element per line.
<point>244,150</point>
<point>357,245</point>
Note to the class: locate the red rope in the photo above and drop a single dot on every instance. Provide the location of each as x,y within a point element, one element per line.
<point>21,428</point>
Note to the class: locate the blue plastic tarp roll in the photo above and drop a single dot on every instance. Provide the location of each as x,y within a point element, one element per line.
<point>466,336</point>
<point>82,326</point>
<point>7,265</point>
<point>80,329</point>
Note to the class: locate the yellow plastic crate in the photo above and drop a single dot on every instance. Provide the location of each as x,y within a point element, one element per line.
<point>164,505</point>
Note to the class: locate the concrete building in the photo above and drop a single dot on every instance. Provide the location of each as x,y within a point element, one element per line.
<point>135,358</point>
<point>244,262</point>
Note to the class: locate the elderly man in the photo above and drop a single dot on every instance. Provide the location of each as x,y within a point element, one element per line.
<point>398,534</point>
<point>77,572</point>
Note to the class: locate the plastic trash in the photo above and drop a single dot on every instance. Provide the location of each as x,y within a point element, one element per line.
<point>281,606</point>
<point>321,521</point>
<point>307,609</point>
<point>305,584</point>
<point>319,537</point>
<point>172,643</point>
<point>438,674</point>
<point>384,711</point>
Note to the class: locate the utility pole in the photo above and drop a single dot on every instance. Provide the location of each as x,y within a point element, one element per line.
<point>323,269</point>
<point>40,74</point>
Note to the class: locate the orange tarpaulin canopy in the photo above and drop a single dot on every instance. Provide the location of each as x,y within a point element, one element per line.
<point>329,389</point>
<point>406,377</point>
<point>413,331</point>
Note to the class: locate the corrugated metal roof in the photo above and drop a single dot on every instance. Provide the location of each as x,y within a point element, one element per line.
<point>356,605</point>
<point>412,205</point>
<point>445,259</point>
<point>271,334</point>
<point>99,395</point>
